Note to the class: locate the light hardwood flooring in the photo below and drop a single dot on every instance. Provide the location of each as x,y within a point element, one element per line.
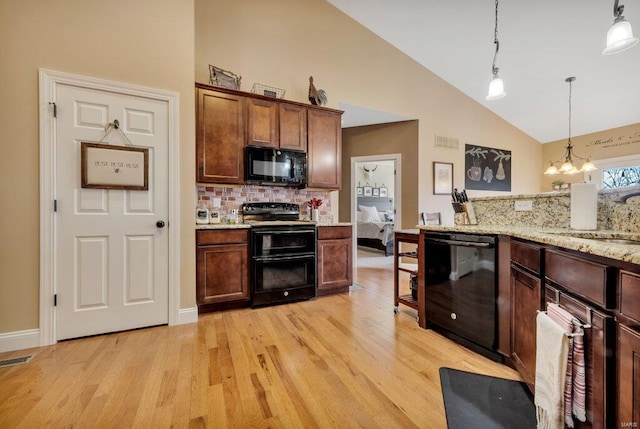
<point>341,361</point>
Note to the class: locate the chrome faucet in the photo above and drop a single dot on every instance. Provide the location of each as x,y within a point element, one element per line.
<point>622,199</point>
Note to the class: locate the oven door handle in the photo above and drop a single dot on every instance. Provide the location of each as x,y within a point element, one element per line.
<point>459,243</point>
<point>281,232</point>
<point>283,258</point>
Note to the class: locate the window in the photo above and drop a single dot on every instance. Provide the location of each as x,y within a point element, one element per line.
<point>620,177</point>
<point>615,172</point>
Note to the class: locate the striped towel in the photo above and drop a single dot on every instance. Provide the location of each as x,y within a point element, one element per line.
<point>579,377</point>
<point>575,386</point>
<point>552,348</point>
<point>565,320</point>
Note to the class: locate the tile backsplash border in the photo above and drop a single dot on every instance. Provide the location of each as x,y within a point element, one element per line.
<point>232,197</point>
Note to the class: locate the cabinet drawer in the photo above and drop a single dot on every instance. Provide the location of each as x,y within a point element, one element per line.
<point>589,279</point>
<point>526,255</point>
<point>334,232</point>
<point>222,236</point>
<point>630,294</point>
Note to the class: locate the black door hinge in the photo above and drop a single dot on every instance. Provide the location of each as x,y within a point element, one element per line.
<point>55,109</point>
<point>55,205</point>
<point>55,300</point>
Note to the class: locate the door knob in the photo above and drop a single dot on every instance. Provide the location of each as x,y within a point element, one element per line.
<point>160,224</point>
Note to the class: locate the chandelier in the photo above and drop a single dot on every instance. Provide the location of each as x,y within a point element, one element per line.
<point>567,166</point>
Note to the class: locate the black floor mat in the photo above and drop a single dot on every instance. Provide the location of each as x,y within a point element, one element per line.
<point>480,401</point>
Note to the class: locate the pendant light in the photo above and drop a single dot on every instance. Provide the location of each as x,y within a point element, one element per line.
<point>567,166</point>
<point>620,35</point>
<point>496,87</point>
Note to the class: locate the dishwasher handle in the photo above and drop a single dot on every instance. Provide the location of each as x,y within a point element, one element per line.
<point>482,245</point>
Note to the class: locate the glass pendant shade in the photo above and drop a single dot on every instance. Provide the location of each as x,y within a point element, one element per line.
<point>588,166</point>
<point>572,170</point>
<point>619,37</point>
<point>551,169</point>
<point>566,167</point>
<point>496,89</point>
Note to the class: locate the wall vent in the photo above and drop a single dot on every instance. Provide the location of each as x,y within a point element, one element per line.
<point>450,143</point>
<point>15,361</point>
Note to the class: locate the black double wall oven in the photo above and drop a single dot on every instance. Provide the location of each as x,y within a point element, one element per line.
<point>283,254</point>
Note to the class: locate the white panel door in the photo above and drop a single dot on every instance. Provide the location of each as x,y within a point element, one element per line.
<point>111,269</point>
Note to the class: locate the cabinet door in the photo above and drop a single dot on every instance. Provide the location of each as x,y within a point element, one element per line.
<point>335,268</point>
<point>628,378</point>
<point>262,123</point>
<point>325,149</point>
<point>526,295</point>
<point>219,137</point>
<point>598,357</point>
<point>293,127</point>
<point>223,273</point>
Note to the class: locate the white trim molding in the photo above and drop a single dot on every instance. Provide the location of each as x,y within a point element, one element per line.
<point>188,315</point>
<point>49,81</point>
<point>19,340</point>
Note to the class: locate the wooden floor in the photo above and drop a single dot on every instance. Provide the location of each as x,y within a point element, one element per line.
<point>342,361</point>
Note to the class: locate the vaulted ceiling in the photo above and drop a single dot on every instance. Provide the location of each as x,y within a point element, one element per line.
<point>542,42</point>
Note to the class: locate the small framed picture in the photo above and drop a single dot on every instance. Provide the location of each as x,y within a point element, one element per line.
<point>223,78</point>
<point>359,191</point>
<point>442,178</point>
<point>114,167</point>
<point>368,191</point>
<point>383,192</point>
<point>376,192</point>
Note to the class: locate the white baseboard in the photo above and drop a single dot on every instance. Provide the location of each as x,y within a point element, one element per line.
<point>188,315</point>
<point>30,338</point>
<point>19,340</point>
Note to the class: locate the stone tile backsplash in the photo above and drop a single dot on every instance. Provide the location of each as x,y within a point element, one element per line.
<point>553,210</point>
<point>232,197</point>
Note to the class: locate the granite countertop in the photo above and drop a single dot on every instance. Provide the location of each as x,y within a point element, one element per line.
<point>582,241</point>
<point>336,224</point>
<point>223,226</point>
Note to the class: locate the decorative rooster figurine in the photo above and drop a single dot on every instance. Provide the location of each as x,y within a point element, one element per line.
<point>317,97</point>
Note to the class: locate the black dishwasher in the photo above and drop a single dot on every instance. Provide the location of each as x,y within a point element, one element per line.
<point>461,289</point>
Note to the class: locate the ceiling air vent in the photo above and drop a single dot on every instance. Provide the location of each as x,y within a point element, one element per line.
<point>450,143</point>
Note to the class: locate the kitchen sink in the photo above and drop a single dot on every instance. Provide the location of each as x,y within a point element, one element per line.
<point>629,239</point>
<point>618,241</point>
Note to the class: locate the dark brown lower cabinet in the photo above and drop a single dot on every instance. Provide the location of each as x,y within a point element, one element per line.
<point>526,295</point>
<point>222,268</point>
<point>628,367</point>
<point>335,259</point>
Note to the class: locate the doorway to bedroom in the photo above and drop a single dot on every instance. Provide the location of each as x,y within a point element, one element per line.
<point>375,208</point>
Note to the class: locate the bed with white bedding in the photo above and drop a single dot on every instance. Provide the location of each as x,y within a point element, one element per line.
<point>375,224</point>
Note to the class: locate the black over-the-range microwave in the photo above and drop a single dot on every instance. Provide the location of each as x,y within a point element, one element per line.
<point>269,166</point>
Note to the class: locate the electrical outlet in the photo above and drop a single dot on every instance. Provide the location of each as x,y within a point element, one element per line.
<point>523,206</point>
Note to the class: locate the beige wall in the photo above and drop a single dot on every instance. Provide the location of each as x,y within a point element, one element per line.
<point>384,139</point>
<point>142,42</point>
<point>283,42</point>
<point>613,143</point>
<point>151,43</point>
